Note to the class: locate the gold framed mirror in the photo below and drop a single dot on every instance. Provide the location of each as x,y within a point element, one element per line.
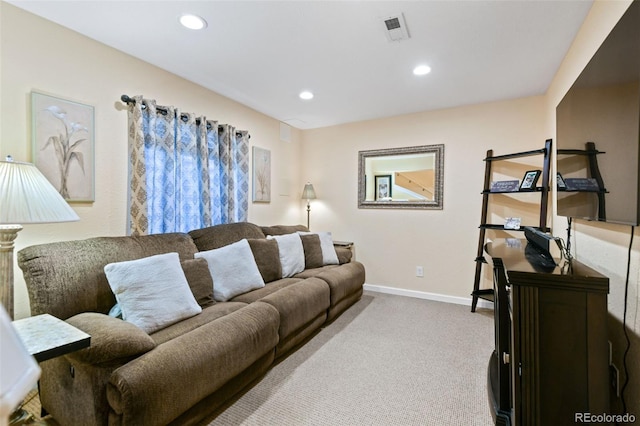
<point>401,178</point>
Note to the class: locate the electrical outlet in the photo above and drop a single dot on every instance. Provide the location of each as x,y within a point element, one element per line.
<point>614,376</point>
<point>419,271</point>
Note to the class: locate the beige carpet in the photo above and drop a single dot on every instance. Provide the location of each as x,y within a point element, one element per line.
<point>388,360</point>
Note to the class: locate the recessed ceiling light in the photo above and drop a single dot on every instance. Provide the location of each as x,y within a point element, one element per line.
<point>193,22</point>
<point>306,95</point>
<point>422,70</point>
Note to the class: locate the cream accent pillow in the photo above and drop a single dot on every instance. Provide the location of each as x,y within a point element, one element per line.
<point>291,253</point>
<point>152,292</point>
<point>329,255</point>
<point>233,269</point>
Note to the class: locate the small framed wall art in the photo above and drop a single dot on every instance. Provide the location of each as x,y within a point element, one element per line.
<point>63,145</point>
<point>261,175</point>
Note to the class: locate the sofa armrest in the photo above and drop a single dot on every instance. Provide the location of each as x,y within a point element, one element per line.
<point>344,254</point>
<point>113,340</point>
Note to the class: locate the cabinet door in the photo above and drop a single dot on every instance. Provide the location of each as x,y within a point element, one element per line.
<point>516,355</point>
<point>559,355</point>
<point>523,341</point>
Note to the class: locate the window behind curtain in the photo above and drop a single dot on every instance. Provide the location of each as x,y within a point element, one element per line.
<point>186,172</point>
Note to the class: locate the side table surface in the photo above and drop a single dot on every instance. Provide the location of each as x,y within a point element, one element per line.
<point>46,336</point>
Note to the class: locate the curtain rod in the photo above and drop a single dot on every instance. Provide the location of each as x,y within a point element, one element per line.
<point>129,100</point>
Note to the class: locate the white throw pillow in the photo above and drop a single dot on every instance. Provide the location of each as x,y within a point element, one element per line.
<point>291,253</point>
<point>329,255</point>
<point>152,292</point>
<point>233,269</point>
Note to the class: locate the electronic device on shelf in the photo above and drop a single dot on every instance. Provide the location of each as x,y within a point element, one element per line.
<point>541,248</point>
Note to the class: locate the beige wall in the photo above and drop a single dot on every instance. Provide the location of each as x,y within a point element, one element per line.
<point>391,243</point>
<point>603,246</point>
<point>42,56</point>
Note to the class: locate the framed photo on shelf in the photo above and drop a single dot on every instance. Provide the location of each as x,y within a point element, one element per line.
<point>383,187</point>
<point>529,180</point>
<point>512,223</point>
<point>562,186</point>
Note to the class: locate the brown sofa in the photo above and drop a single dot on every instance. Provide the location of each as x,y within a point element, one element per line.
<point>186,371</point>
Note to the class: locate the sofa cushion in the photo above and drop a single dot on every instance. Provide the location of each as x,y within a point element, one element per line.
<point>343,280</point>
<point>209,314</point>
<point>299,304</point>
<point>200,282</point>
<point>234,270</point>
<point>217,236</point>
<point>308,273</point>
<point>113,341</point>
<point>291,253</point>
<point>199,279</point>
<point>272,287</point>
<point>312,251</point>
<point>153,291</point>
<point>267,257</point>
<point>329,256</point>
<point>283,229</point>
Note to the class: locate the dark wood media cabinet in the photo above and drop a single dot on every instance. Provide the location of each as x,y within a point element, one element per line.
<point>551,357</point>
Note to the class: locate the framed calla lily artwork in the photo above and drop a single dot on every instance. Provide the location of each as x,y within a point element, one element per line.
<point>63,145</point>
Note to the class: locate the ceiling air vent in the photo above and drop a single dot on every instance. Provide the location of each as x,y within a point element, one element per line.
<point>395,28</point>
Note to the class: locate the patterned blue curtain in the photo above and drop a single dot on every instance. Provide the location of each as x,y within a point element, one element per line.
<point>186,172</point>
<point>238,176</point>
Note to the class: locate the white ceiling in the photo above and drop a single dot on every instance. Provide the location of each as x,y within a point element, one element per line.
<point>263,53</point>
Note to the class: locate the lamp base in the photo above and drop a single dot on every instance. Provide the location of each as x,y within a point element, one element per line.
<point>8,234</point>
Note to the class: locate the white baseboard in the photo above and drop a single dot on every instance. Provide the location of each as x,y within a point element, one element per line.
<point>429,296</point>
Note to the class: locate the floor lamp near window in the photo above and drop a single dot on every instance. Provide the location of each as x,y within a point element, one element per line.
<point>26,196</point>
<point>308,193</point>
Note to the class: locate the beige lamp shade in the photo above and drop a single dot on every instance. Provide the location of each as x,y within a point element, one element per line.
<point>308,193</point>
<point>26,196</point>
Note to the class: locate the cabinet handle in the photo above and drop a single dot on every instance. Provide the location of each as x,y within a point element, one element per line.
<point>505,358</point>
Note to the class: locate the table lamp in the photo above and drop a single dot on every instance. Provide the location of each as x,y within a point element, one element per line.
<point>308,193</point>
<point>26,196</point>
